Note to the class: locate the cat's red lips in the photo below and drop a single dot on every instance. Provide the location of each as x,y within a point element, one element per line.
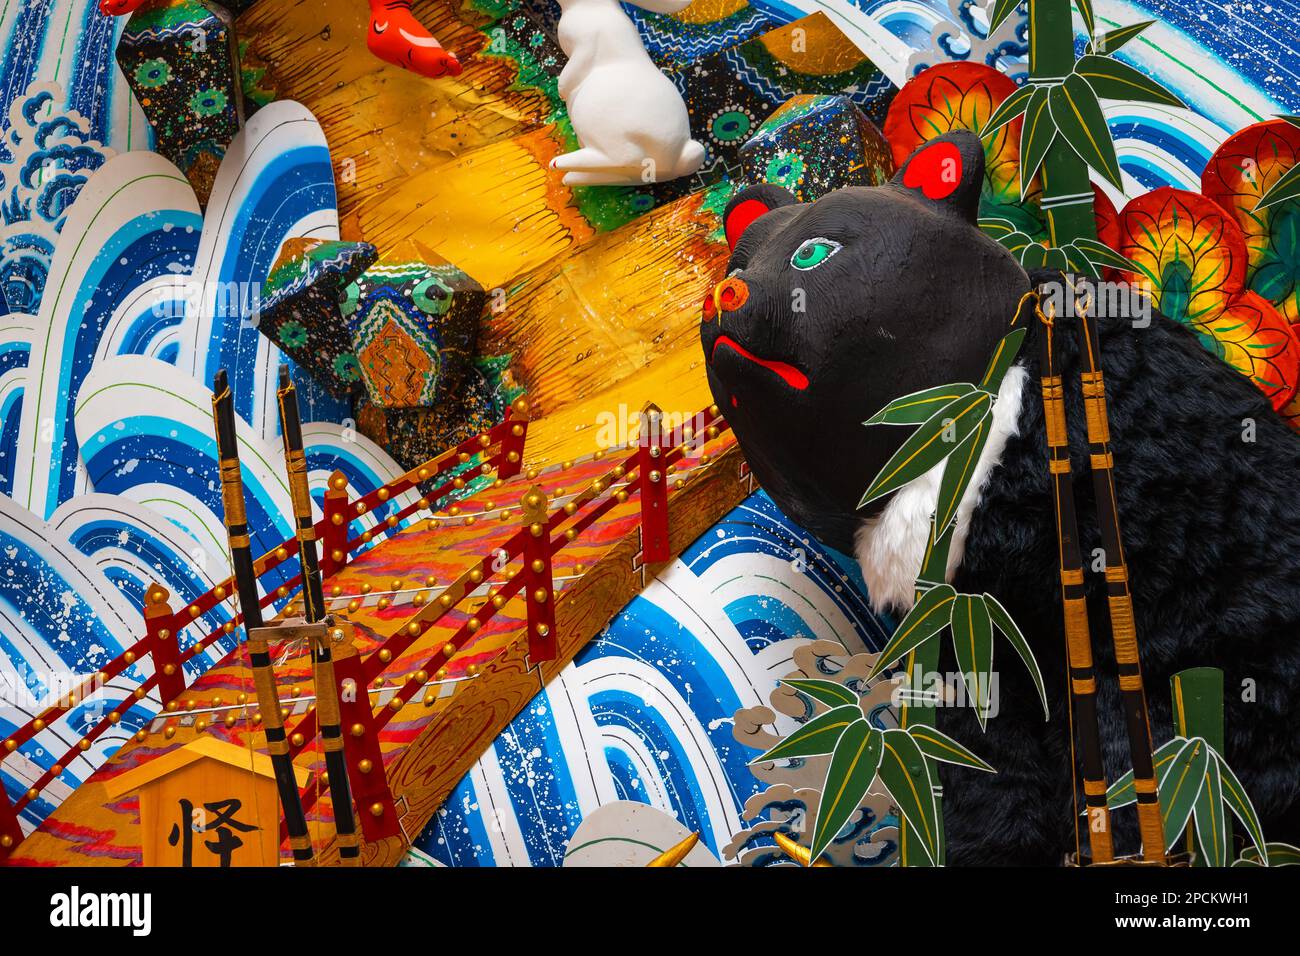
<point>788,373</point>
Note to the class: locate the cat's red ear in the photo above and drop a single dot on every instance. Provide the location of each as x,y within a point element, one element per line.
<point>947,174</point>
<point>751,204</point>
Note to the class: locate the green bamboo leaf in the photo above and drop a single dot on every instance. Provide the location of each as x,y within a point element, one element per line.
<point>906,775</point>
<point>928,616</point>
<point>1036,136</point>
<point>1121,792</point>
<point>1293,120</point>
<point>1078,116</point>
<point>939,746</point>
<point>972,639</point>
<point>1181,785</point>
<point>817,736</point>
<point>1001,10</point>
<point>1100,254</point>
<point>1033,256</point>
<point>1089,20</point>
<point>936,439</point>
<point>1112,40</point>
<point>1078,263</point>
<point>916,408</point>
<point>1282,854</point>
<point>1114,80</point>
<point>1003,622</point>
<point>853,767</point>
<point>1287,187</point>
<point>1211,822</point>
<point>1276,854</point>
<point>957,475</point>
<point>1015,242</point>
<point>1013,106</point>
<point>997,228</point>
<point>826,691</point>
<point>1234,794</point>
<point>1054,258</point>
<point>1008,348</point>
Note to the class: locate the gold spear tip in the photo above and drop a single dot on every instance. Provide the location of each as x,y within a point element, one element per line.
<point>800,854</point>
<point>675,854</point>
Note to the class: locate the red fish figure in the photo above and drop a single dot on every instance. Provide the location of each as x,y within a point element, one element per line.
<point>396,37</point>
<point>118,8</point>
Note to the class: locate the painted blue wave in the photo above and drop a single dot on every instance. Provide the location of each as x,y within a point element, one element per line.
<point>59,616</point>
<point>293,185</point>
<point>95,82</point>
<point>1260,41</point>
<point>23,48</point>
<point>14,356</point>
<point>644,712</point>
<point>147,248</point>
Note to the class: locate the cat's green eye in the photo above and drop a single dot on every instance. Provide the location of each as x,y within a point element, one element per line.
<point>813,253</point>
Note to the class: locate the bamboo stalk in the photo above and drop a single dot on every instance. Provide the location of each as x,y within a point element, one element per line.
<point>328,714</point>
<point>241,558</point>
<point>1078,638</point>
<point>1119,596</point>
<point>1067,198</point>
<point>919,663</point>
<point>1198,712</point>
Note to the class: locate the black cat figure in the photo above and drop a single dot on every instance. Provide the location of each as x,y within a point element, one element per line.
<point>831,309</point>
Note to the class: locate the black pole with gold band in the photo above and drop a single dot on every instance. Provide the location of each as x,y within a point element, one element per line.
<point>1078,636</point>
<point>328,715</point>
<point>1119,597</point>
<point>241,559</point>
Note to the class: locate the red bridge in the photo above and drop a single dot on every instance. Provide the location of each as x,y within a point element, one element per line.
<point>446,626</point>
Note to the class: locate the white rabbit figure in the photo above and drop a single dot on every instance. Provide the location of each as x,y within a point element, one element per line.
<point>631,122</point>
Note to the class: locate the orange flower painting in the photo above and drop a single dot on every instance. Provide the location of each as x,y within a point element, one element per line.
<point>1239,173</point>
<point>1194,256</point>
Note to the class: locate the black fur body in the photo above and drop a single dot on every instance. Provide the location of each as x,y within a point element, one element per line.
<point>916,297</point>
<point>1211,528</point>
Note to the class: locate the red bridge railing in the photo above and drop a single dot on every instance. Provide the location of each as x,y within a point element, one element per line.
<point>503,446</point>
<point>541,535</point>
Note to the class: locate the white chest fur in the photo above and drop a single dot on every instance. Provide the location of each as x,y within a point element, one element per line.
<point>891,546</point>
